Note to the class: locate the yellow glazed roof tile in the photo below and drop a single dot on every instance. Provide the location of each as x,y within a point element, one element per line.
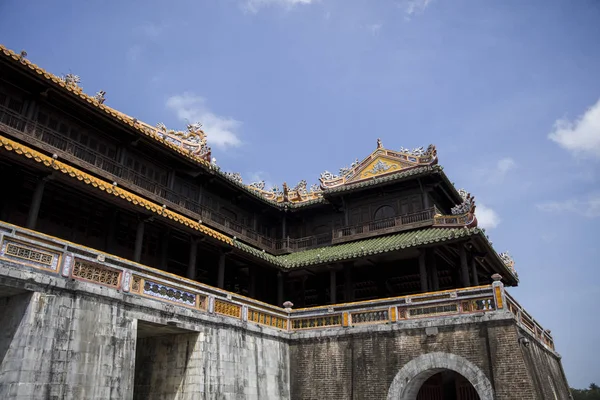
<point>104,186</point>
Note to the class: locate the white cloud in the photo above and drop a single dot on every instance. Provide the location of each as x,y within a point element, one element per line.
<point>255,5</point>
<point>413,7</point>
<point>496,174</point>
<point>505,165</point>
<point>220,131</point>
<point>374,28</point>
<point>580,137</point>
<point>486,217</point>
<point>589,207</point>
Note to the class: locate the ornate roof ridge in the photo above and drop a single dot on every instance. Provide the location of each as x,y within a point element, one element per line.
<point>192,144</point>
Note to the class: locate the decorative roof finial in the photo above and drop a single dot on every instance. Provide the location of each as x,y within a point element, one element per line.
<point>467,205</point>
<point>379,145</point>
<point>71,80</point>
<point>99,97</point>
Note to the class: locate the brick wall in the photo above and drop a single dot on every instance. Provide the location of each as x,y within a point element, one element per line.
<point>363,365</point>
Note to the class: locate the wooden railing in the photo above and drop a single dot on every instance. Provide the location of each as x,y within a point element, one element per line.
<point>383,226</point>
<point>65,147</point>
<point>34,251</point>
<point>31,131</point>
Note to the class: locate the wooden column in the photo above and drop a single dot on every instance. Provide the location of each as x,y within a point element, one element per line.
<point>221,271</point>
<point>284,227</point>
<point>434,283</point>
<point>423,270</point>
<point>348,282</point>
<point>111,233</point>
<point>171,179</point>
<point>474,271</point>
<point>252,283</point>
<point>139,240</point>
<point>426,199</point>
<point>332,286</point>
<point>280,281</point>
<point>164,249</point>
<point>191,269</point>
<point>346,215</point>
<point>36,202</point>
<point>464,267</point>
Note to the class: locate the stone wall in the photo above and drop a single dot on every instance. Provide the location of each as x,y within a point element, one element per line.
<point>64,347</point>
<point>77,340</point>
<point>217,362</point>
<point>69,339</point>
<point>363,365</point>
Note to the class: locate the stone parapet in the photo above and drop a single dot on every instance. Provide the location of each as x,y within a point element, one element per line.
<point>43,257</point>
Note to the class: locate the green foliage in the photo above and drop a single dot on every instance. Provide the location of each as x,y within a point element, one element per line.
<point>592,393</point>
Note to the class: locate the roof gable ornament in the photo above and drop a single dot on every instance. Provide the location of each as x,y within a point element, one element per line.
<point>296,194</point>
<point>379,162</point>
<point>71,80</point>
<point>99,97</point>
<point>234,176</point>
<point>467,205</point>
<point>508,261</point>
<point>193,139</point>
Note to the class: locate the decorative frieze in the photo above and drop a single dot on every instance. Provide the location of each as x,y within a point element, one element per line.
<point>443,309</point>
<point>169,293</point>
<point>263,318</point>
<point>317,322</point>
<point>30,255</point>
<point>370,317</point>
<point>96,273</point>
<point>136,283</point>
<point>225,308</point>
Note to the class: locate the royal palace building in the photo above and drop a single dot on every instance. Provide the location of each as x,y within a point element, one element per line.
<point>133,266</point>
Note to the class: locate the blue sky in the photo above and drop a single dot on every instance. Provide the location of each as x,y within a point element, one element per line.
<point>507,90</point>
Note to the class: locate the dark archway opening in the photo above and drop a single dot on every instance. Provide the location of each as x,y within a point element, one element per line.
<point>447,385</point>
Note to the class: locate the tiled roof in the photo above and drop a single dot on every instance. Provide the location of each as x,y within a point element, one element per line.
<point>348,251</point>
<point>377,245</point>
<point>405,174</point>
<point>131,123</point>
<point>22,150</point>
<point>367,247</point>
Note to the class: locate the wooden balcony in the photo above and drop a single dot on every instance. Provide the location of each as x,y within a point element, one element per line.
<point>384,226</point>
<point>49,140</point>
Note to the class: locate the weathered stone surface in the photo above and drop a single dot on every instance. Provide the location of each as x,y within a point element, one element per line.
<point>69,339</point>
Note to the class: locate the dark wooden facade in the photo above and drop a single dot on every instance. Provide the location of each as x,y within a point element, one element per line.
<point>36,113</point>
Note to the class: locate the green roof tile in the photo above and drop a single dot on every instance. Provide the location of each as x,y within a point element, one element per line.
<point>346,251</point>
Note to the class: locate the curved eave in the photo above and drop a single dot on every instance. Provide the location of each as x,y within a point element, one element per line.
<point>508,277</point>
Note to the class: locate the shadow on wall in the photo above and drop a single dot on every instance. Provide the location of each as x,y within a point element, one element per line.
<point>162,358</point>
<point>12,311</point>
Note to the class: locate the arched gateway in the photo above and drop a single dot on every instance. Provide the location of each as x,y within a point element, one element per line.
<point>410,378</point>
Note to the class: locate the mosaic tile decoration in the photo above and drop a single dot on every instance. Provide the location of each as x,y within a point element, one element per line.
<point>168,293</point>
<point>30,255</point>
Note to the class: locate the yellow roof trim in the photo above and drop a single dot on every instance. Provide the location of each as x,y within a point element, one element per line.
<point>119,116</point>
<point>88,179</point>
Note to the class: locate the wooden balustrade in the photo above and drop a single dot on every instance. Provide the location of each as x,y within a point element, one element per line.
<point>383,226</point>
<point>64,146</point>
